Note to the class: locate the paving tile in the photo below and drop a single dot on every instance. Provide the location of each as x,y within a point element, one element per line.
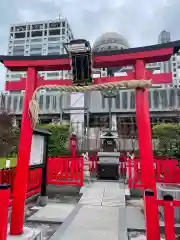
<point>53,212</point>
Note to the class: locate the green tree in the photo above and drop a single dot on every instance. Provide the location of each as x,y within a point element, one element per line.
<point>9,134</point>
<point>166,139</point>
<point>59,140</point>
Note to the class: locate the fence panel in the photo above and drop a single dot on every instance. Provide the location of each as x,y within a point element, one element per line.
<point>34,179</point>
<point>65,171</point>
<point>166,171</point>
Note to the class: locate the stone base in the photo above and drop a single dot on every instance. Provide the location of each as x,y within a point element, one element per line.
<point>28,234</point>
<point>42,201</point>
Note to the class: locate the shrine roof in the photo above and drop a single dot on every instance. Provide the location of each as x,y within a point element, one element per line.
<point>115,58</point>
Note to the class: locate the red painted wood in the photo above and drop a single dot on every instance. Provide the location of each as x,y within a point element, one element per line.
<point>162,78</point>
<point>116,60</point>
<point>169,220</point>
<point>40,65</point>
<point>66,171</point>
<point>4,202</point>
<point>126,59</point>
<point>21,178</point>
<point>146,154</point>
<point>21,84</point>
<point>151,218</point>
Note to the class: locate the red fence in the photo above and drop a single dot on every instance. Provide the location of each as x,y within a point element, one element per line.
<point>65,171</point>
<point>34,180</point>
<point>166,171</point>
<point>60,171</point>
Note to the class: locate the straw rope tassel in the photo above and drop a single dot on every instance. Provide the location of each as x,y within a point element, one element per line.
<point>131,84</point>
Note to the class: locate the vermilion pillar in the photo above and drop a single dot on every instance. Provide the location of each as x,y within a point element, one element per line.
<point>144,131</point>
<point>169,218</point>
<point>146,151</point>
<point>21,179</point>
<point>4,203</point>
<point>151,216</point>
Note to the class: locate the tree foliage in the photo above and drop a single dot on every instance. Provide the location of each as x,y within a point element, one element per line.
<point>166,139</point>
<point>9,134</point>
<point>59,140</point>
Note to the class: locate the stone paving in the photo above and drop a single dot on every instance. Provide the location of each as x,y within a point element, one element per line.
<point>52,213</point>
<point>57,195</point>
<point>100,214</point>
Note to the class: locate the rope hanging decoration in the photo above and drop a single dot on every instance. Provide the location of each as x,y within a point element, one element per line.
<point>131,84</point>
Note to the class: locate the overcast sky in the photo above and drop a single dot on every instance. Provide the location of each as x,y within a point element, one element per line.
<point>140,21</point>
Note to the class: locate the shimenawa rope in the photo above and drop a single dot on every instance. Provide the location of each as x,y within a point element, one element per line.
<point>131,84</point>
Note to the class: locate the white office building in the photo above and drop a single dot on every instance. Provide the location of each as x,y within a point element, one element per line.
<point>39,38</point>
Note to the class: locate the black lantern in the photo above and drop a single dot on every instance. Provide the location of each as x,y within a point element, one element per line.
<point>80,53</point>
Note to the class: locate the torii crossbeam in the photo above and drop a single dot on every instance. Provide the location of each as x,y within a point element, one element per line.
<point>137,57</point>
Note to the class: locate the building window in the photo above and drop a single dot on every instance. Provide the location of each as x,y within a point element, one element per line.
<point>124,100</point>
<point>117,100</point>
<point>36,40</point>
<point>174,64</point>
<point>61,102</point>
<point>172,99</point>
<point>103,101</point>
<point>53,74</point>
<point>21,103</point>
<point>54,102</point>
<point>54,32</point>
<point>37,34</point>
<point>53,53</point>
<point>41,102</point>
<point>149,99</point>
<point>132,100</point>
<point>9,103</point>
<point>15,102</point>
<point>164,99</point>
<point>156,99</point>
<point>20,35</point>
<point>47,102</point>
<point>54,25</point>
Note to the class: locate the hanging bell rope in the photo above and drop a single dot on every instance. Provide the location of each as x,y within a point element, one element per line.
<point>131,84</point>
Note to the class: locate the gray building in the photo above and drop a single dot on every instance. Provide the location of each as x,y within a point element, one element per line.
<point>39,38</point>
<point>48,38</point>
<point>173,64</point>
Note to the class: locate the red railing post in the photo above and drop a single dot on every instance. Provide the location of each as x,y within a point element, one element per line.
<point>81,171</point>
<point>169,218</point>
<point>129,162</point>
<point>4,203</point>
<point>151,216</point>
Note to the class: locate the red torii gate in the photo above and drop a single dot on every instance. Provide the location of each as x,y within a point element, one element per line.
<point>137,57</point>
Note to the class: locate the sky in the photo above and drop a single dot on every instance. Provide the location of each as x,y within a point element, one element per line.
<point>140,21</point>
